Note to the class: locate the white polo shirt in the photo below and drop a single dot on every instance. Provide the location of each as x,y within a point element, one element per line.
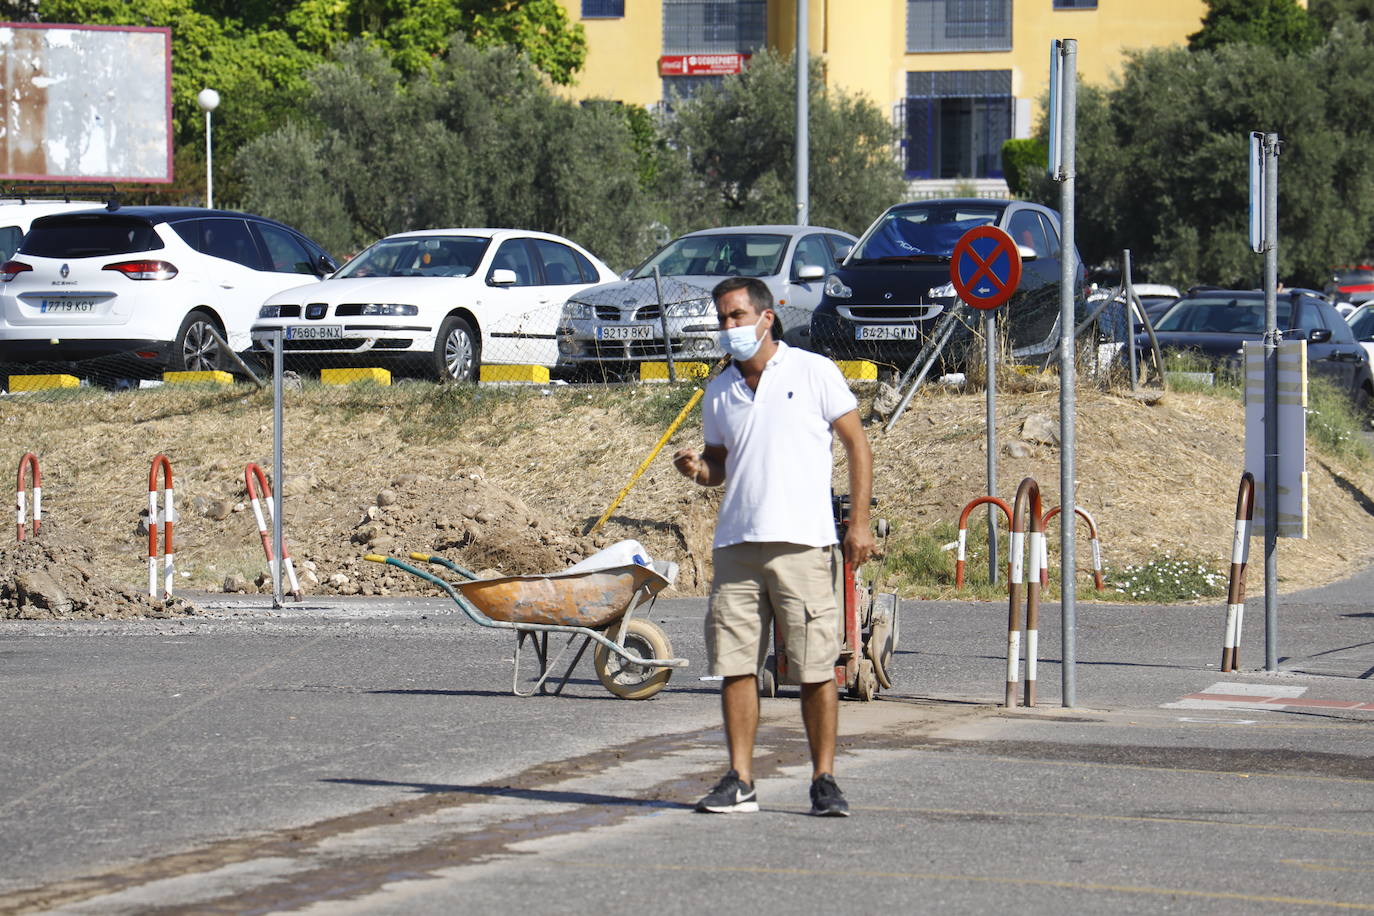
<point>778,441</point>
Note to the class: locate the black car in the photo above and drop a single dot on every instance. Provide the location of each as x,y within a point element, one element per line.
<point>883,301</point>
<point>1215,324</point>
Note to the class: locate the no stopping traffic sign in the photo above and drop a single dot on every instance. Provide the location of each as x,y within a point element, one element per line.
<point>986,267</point>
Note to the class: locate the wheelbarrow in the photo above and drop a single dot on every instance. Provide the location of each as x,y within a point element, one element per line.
<point>591,602</point>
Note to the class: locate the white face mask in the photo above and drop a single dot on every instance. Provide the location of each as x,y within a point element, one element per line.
<point>741,342</point>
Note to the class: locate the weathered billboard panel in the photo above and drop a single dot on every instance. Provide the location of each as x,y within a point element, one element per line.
<point>85,102</point>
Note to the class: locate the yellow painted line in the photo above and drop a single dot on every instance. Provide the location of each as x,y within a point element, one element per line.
<point>1139,889</point>
<point>1137,766</point>
<point>1130,818</point>
<point>1324,866</point>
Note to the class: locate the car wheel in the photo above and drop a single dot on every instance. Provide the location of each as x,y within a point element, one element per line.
<point>197,347</point>
<point>457,352</point>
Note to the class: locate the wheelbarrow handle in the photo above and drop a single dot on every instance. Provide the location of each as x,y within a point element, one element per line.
<point>448,564</point>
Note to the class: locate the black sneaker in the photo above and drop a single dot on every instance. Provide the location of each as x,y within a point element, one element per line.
<point>731,795</point>
<point>826,798</point>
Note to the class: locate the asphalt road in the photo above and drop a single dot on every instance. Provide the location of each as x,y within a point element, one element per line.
<point>361,756</point>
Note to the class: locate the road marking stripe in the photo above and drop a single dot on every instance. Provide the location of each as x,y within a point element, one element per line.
<point>975,879</point>
<point>1074,815</point>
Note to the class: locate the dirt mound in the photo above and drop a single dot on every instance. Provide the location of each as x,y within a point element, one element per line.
<point>463,517</point>
<point>504,481</point>
<point>56,574</point>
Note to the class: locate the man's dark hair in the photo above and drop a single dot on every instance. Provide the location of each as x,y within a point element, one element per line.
<point>760,296</point>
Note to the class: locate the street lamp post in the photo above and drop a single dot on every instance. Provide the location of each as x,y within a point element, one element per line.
<point>208,99</point>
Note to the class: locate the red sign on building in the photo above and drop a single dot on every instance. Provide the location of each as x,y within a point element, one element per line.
<point>701,64</point>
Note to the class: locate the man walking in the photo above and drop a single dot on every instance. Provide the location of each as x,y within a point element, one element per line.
<point>769,420</point>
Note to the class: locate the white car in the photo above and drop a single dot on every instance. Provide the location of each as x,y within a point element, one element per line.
<point>142,289</point>
<point>17,214</point>
<point>439,301</point>
<point>1361,322</point>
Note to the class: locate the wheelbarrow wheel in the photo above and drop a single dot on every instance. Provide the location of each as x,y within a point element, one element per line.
<point>626,679</point>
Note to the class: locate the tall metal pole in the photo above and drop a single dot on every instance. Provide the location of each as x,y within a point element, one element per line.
<point>990,361</point>
<point>209,166</point>
<point>803,152</point>
<point>278,483</point>
<point>1272,337</point>
<point>1067,381</point>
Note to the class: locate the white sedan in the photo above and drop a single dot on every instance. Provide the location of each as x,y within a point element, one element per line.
<point>1361,322</point>
<point>440,301</point>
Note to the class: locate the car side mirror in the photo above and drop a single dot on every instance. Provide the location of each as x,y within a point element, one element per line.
<point>1319,335</point>
<point>1027,252</point>
<point>325,265</point>
<point>843,253</point>
<point>810,272</point>
<point>502,276</point>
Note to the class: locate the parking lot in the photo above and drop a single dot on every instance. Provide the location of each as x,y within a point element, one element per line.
<point>365,756</point>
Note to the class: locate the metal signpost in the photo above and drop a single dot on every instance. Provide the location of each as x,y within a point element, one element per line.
<point>1063,127</point>
<point>1264,236</point>
<point>803,138</point>
<point>985,270</point>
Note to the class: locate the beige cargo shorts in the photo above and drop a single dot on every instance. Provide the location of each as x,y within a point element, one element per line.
<point>758,582</point>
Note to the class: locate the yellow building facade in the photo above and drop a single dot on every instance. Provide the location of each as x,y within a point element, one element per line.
<point>959,77</point>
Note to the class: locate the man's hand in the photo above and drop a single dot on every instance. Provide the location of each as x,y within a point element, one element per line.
<point>858,542</point>
<point>689,464</point>
<point>706,468</point>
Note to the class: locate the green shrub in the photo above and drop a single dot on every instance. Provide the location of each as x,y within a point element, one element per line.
<point>1020,158</point>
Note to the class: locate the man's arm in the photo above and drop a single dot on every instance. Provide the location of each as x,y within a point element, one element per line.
<point>706,468</point>
<point>858,540</point>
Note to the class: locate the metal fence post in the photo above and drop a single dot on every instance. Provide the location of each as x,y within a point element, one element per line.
<point>278,344</point>
<point>663,324</point>
<point>1128,292</point>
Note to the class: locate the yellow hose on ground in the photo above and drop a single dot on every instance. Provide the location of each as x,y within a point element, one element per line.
<point>644,466</point>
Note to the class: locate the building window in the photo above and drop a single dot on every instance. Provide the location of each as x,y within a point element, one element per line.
<point>958,25</point>
<point>610,9</point>
<point>738,26</point>
<point>1075,4</point>
<point>956,123</point>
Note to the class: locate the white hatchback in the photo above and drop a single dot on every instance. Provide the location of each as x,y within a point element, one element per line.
<point>144,289</point>
<point>439,302</point>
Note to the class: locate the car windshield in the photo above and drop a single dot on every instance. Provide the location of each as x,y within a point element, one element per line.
<point>1362,325</point>
<point>735,254</point>
<point>1354,276</point>
<point>921,233</point>
<point>92,236</point>
<point>418,256</point>
<point>1221,316</point>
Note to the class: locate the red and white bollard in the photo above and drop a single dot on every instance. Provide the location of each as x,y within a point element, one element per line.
<point>28,463</point>
<point>260,491</point>
<point>169,504</point>
<point>1028,490</point>
<point>1093,539</point>
<point>963,532</point>
<point>1240,556</point>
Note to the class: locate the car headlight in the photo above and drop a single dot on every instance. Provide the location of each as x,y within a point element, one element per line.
<point>692,309</point>
<point>389,308</point>
<point>835,288</point>
<point>577,310</point>
<point>270,311</point>
<point>942,292</point>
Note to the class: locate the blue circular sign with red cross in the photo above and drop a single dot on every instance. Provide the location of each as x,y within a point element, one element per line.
<point>986,267</point>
